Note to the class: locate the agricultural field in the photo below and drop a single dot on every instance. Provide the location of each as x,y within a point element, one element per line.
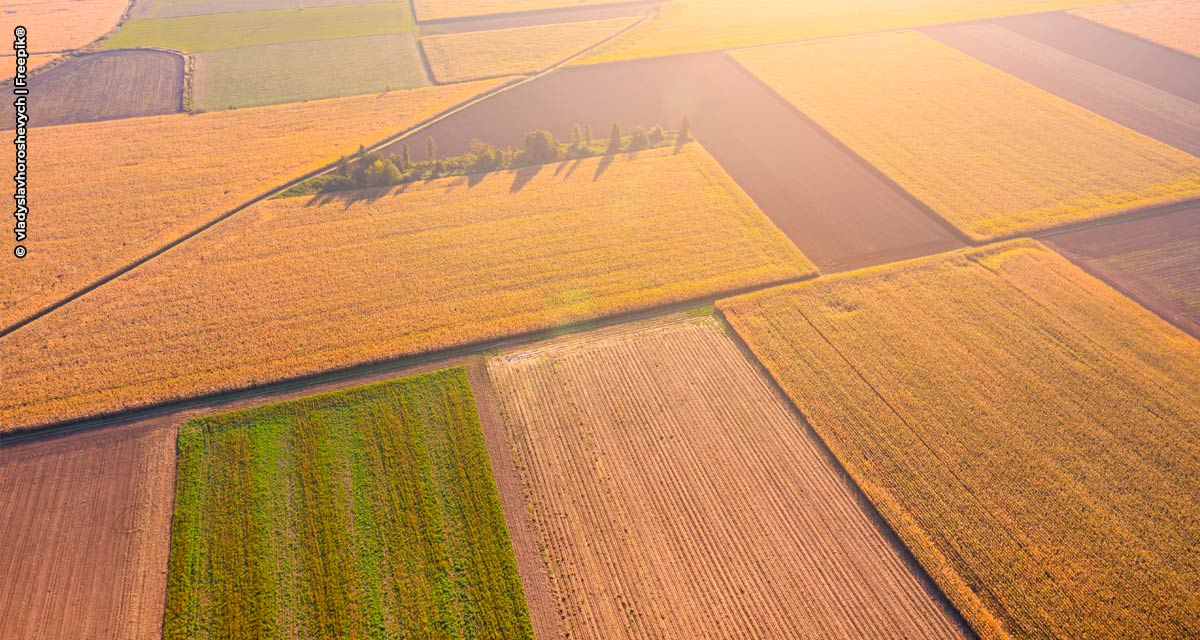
<point>369,512</point>
<point>1155,260</point>
<point>686,26</point>
<point>310,70</point>
<point>85,524</point>
<point>444,9</point>
<point>8,64</point>
<point>398,272</point>
<point>122,189</point>
<point>250,28</point>
<point>105,86</point>
<point>184,8</point>
<point>676,495</point>
<point>834,208</point>
<point>1167,69</point>
<point>56,26</point>
<point>1131,103</point>
<point>991,154</point>
<point>500,52</point>
<point>1031,434</point>
<point>1171,23</point>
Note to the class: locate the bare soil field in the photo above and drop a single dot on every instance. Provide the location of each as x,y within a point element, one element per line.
<point>1129,102</point>
<point>580,13</point>
<point>1154,260</point>
<point>104,86</point>
<point>1171,23</point>
<point>676,495</point>
<point>84,526</point>
<point>836,209</point>
<point>1170,70</point>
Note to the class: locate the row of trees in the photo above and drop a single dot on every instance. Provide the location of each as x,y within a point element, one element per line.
<point>539,147</point>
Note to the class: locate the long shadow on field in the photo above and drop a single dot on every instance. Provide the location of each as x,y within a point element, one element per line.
<point>836,208</point>
<point>522,176</point>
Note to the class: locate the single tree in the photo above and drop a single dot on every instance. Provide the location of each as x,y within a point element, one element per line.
<point>614,139</point>
<point>431,149</point>
<point>540,147</point>
<point>639,140</point>
<point>587,134</point>
<point>405,158</point>
<point>685,130</point>
<point>657,135</point>
<point>362,151</point>
<point>343,167</point>
<point>577,137</point>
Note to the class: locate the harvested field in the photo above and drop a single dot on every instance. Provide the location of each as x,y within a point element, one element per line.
<point>250,28</point>
<point>104,86</point>
<point>444,9</point>
<point>8,64</point>
<point>989,153</point>
<point>677,496</point>
<point>834,208</point>
<point>485,54</point>
<point>1172,71</point>
<point>1154,260</point>
<point>120,190</point>
<point>1171,23</point>
<point>57,26</point>
<point>295,71</point>
<point>575,13</point>
<point>183,8</point>
<point>1128,102</point>
<point>84,525</point>
<point>370,512</point>
<point>1032,434</point>
<point>398,272</point>
<point>687,26</point>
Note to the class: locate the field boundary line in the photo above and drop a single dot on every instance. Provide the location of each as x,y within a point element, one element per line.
<point>323,170</point>
<point>1070,12</point>
<point>850,153</point>
<point>364,369</point>
<point>1140,213</point>
<point>529,12</point>
<point>881,523</point>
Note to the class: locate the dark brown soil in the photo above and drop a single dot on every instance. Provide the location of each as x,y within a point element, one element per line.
<point>836,209</point>
<point>1119,98</point>
<point>1154,260</point>
<point>103,86</point>
<point>533,18</point>
<point>1170,70</point>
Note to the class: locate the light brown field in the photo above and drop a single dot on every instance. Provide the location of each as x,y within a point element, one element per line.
<point>1032,434</point>
<point>1171,23</point>
<point>676,495</point>
<point>991,154</point>
<point>64,24</point>
<point>8,64</point>
<point>108,193</point>
<point>484,54</point>
<point>442,9</point>
<point>296,286</point>
<point>84,525</point>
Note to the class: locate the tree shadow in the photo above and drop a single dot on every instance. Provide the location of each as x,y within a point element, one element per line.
<point>350,197</point>
<point>604,164</point>
<point>523,175</point>
<point>573,167</point>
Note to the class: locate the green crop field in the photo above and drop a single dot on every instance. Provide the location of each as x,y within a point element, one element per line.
<point>250,28</point>
<point>180,8</point>
<point>365,513</point>
<point>288,72</point>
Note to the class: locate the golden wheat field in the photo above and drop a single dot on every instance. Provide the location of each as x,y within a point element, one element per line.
<point>676,495</point>
<point>121,189</point>
<point>483,54</point>
<point>299,285</point>
<point>685,26</point>
<point>991,154</point>
<point>442,9</point>
<point>1171,23</point>
<point>61,25</point>
<point>1031,434</point>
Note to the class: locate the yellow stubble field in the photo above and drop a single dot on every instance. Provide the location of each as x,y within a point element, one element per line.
<point>1171,23</point>
<point>991,154</point>
<point>105,194</point>
<point>299,285</point>
<point>1031,434</point>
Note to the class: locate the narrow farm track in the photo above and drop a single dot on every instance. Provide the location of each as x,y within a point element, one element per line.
<point>678,496</point>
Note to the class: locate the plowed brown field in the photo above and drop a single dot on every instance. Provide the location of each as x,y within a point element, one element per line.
<point>84,524</point>
<point>676,495</point>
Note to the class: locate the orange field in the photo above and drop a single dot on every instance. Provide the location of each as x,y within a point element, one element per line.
<point>113,192</point>
<point>676,495</point>
<point>62,25</point>
<point>1031,434</point>
<point>294,286</point>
